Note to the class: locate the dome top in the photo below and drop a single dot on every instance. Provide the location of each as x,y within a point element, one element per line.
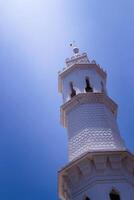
<point>75,48</point>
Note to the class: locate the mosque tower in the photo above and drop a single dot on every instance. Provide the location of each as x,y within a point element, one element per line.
<point>100,167</point>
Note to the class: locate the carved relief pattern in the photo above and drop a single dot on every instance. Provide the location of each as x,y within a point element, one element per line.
<point>91,128</point>
<point>87,98</point>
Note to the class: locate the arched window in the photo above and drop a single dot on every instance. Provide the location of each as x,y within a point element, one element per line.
<point>88,87</point>
<point>73,92</point>
<point>87,198</point>
<point>102,87</point>
<point>114,195</point>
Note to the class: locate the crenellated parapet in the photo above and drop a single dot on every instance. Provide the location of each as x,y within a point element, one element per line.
<point>77,59</point>
<point>81,59</point>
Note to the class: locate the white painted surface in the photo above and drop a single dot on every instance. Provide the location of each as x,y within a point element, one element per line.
<point>77,77</point>
<point>100,191</point>
<point>96,174</point>
<point>92,127</point>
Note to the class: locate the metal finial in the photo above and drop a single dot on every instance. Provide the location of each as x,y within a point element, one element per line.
<point>74,47</point>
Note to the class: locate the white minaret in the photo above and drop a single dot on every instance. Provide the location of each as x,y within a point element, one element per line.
<point>100,167</point>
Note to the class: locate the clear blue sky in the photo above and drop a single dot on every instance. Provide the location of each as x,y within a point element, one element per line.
<point>34,41</point>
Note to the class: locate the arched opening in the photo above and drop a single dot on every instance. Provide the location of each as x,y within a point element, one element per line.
<point>114,195</point>
<point>102,87</point>
<point>87,198</point>
<point>73,92</point>
<point>88,87</point>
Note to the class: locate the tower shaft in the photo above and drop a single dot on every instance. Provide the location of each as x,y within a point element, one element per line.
<point>99,166</point>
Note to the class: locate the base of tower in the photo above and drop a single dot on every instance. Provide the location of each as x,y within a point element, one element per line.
<point>95,174</point>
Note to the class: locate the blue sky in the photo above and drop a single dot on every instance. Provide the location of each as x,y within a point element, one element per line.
<point>34,42</point>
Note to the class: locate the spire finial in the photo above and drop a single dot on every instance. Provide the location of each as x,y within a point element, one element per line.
<point>74,47</point>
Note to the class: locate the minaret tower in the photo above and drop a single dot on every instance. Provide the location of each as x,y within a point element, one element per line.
<point>100,167</point>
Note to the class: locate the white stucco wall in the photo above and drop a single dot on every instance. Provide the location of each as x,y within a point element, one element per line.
<point>92,128</point>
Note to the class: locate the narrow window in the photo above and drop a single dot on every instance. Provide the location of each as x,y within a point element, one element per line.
<point>73,92</point>
<point>88,87</point>
<point>114,195</point>
<point>102,87</point>
<point>86,198</point>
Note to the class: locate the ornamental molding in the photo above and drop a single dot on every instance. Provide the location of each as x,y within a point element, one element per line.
<point>77,59</point>
<point>89,98</point>
<point>96,167</point>
<point>82,66</point>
